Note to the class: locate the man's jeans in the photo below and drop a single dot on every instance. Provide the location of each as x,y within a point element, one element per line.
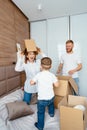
<point>41,105</point>
<point>77,82</point>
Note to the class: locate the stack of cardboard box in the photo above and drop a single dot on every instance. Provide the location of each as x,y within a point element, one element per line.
<point>67,86</point>
<point>65,101</point>
<point>70,117</point>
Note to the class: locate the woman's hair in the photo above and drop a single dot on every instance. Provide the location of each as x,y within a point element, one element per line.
<point>46,63</point>
<point>25,52</point>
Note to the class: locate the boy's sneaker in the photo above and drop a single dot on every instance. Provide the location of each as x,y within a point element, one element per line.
<point>36,125</point>
<point>51,115</point>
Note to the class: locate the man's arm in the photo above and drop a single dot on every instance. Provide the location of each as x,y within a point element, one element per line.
<point>79,67</point>
<point>59,68</point>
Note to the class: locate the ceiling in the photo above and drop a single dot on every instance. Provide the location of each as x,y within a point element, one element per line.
<point>44,9</point>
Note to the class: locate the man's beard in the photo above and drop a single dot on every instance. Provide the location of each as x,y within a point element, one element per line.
<point>69,50</point>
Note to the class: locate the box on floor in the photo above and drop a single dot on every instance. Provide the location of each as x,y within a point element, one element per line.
<point>67,86</point>
<point>70,117</point>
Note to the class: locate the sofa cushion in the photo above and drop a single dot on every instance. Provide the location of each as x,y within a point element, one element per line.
<point>18,109</point>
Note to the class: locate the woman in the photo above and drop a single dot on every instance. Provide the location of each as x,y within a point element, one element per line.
<point>27,62</point>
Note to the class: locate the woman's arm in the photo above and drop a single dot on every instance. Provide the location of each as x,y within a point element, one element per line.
<point>20,61</point>
<point>41,52</point>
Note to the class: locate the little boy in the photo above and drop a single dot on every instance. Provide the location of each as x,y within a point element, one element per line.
<point>45,80</point>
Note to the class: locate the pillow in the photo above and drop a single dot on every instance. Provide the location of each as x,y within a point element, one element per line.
<point>18,109</point>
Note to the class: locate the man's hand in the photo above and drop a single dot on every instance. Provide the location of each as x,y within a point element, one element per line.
<point>71,72</point>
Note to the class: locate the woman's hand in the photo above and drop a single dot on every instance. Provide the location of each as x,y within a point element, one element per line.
<point>39,50</point>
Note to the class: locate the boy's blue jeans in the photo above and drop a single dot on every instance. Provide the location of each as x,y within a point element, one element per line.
<point>41,105</point>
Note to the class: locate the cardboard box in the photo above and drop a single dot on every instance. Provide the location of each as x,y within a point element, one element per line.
<point>57,99</point>
<point>71,118</point>
<point>30,45</point>
<point>67,86</point>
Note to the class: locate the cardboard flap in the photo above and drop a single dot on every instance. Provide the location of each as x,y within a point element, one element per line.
<point>73,84</point>
<point>76,100</point>
<point>63,102</point>
<point>85,119</point>
<point>63,77</point>
<point>30,45</point>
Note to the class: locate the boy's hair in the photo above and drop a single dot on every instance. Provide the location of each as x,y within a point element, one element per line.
<point>46,63</point>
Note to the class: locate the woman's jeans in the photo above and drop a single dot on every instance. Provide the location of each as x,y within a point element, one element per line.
<point>27,97</point>
<point>41,105</point>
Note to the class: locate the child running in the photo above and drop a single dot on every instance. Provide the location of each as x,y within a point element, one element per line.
<point>45,82</point>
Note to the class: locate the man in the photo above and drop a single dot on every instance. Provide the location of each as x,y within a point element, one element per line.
<point>70,63</point>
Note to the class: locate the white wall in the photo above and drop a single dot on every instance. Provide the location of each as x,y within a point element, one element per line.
<point>52,34</point>
<point>38,32</point>
<point>57,34</point>
<point>47,35</point>
<point>78,26</point>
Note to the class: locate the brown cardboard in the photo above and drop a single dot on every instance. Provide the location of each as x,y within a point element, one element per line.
<point>76,100</point>
<point>57,99</point>
<point>66,86</point>
<point>71,118</point>
<point>30,45</point>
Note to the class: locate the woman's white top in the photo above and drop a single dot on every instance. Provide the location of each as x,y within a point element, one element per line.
<point>31,69</point>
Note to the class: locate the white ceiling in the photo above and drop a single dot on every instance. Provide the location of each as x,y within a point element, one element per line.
<point>51,8</point>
